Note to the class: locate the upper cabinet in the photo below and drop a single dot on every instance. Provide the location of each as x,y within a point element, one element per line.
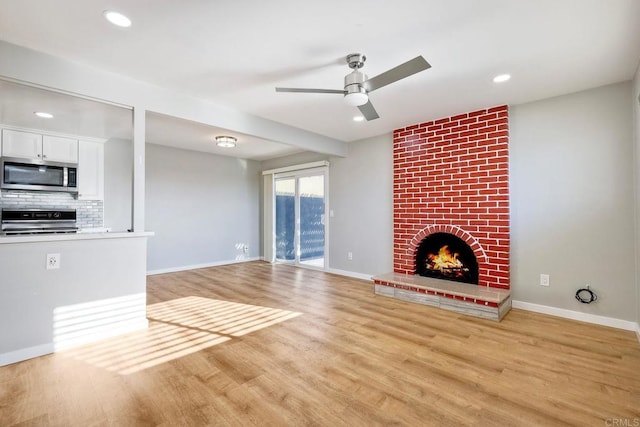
<point>87,154</point>
<point>58,149</point>
<point>39,147</point>
<point>21,144</point>
<point>91,171</point>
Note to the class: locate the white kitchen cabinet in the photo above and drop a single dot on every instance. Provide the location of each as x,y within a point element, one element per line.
<point>90,170</point>
<point>21,144</point>
<point>59,149</point>
<point>29,145</point>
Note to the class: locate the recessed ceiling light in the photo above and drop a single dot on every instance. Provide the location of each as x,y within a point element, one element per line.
<point>43,114</point>
<point>117,18</point>
<point>501,78</point>
<point>358,118</point>
<point>226,141</point>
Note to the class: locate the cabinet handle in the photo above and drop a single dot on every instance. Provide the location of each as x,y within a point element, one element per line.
<point>38,155</point>
<point>44,156</point>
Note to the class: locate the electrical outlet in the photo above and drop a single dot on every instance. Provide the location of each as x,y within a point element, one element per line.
<point>245,249</point>
<point>349,256</point>
<point>53,261</point>
<point>544,280</point>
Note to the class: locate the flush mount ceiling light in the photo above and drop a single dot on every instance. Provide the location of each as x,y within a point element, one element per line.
<point>358,118</point>
<point>226,141</point>
<point>501,78</point>
<point>43,114</point>
<point>117,18</point>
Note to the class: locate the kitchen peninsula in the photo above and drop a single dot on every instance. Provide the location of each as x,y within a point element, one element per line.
<point>68,173</point>
<point>62,290</point>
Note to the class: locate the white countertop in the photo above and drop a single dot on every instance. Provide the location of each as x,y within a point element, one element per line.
<point>32,238</point>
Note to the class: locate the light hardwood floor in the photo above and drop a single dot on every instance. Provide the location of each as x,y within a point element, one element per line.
<point>258,344</point>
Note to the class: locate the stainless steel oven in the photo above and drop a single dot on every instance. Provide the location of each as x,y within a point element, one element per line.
<point>25,174</point>
<point>37,221</point>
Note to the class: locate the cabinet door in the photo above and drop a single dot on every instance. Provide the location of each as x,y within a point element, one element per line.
<point>21,144</point>
<point>90,170</point>
<point>58,149</point>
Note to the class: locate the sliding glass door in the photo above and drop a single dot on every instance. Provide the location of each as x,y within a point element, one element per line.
<point>300,226</point>
<point>285,192</point>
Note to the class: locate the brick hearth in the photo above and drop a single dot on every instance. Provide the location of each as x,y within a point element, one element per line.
<point>479,301</point>
<point>452,175</point>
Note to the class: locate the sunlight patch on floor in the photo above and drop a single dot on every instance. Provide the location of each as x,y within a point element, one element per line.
<point>177,328</point>
<point>86,322</point>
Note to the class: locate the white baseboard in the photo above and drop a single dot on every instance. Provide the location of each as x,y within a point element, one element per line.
<point>219,263</point>
<point>576,315</point>
<point>196,266</point>
<point>48,348</point>
<point>638,331</point>
<point>350,274</point>
<point>25,353</point>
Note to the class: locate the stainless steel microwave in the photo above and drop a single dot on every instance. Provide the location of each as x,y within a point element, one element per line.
<point>25,174</point>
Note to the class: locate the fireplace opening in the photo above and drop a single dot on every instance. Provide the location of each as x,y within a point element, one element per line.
<point>446,256</point>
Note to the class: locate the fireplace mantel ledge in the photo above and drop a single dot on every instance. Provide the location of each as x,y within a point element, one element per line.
<point>464,290</point>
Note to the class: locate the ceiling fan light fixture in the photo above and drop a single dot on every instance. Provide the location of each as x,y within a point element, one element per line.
<point>357,85</point>
<point>226,141</point>
<point>356,99</point>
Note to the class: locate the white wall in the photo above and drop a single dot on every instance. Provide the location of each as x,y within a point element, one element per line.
<point>361,197</point>
<point>99,290</point>
<point>118,189</point>
<point>293,159</point>
<point>636,128</point>
<point>200,206</point>
<point>572,200</point>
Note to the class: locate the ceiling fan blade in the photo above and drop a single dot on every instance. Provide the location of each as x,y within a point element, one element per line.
<point>368,111</point>
<point>407,69</point>
<point>297,90</point>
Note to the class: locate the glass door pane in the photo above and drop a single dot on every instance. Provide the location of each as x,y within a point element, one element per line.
<point>312,209</point>
<point>285,219</point>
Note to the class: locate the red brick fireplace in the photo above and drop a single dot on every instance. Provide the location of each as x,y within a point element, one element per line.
<point>452,176</point>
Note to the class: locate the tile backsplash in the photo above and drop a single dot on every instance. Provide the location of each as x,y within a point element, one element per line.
<point>89,212</point>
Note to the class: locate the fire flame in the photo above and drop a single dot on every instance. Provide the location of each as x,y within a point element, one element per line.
<point>445,261</point>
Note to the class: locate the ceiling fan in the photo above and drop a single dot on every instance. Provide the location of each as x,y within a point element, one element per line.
<point>357,85</point>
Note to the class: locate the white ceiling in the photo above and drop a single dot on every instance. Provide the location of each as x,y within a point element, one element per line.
<point>234,53</point>
<point>84,117</point>
<point>72,115</point>
<point>188,135</point>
